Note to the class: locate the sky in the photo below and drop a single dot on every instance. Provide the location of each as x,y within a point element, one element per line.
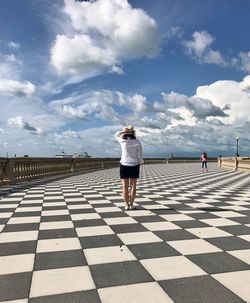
<point>73,73</point>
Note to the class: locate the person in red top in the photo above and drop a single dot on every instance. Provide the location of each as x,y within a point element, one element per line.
<point>203,159</point>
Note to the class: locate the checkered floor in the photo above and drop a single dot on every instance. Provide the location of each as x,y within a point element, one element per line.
<point>71,241</point>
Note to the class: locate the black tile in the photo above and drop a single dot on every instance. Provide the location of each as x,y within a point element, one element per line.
<point>59,207</point>
<point>242,220</point>
<point>55,218</point>
<point>27,214</point>
<point>237,229</point>
<point>7,210</point>
<point>122,273</point>
<point>57,233</point>
<point>82,211</point>
<point>153,218</point>
<point>87,223</point>
<point>21,227</point>
<point>204,215</point>
<point>127,228</point>
<point>113,214</point>
<point>16,248</point>
<point>15,286</point>
<point>100,241</point>
<point>229,243</point>
<point>4,220</point>
<point>59,259</point>
<point>152,250</point>
<point>191,224</point>
<point>177,234</point>
<point>89,296</point>
<point>202,289</point>
<point>218,262</point>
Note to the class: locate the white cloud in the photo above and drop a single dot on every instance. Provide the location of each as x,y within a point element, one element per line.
<point>200,49</point>
<point>244,61</point>
<point>20,123</point>
<point>103,38</point>
<point>13,45</point>
<point>231,94</point>
<point>16,88</point>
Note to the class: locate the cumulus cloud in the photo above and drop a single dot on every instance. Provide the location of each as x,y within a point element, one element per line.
<point>13,45</point>
<point>106,33</point>
<point>199,47</point>
<point>11,87</point>
<point>19,122</point>
<point>233,95</point>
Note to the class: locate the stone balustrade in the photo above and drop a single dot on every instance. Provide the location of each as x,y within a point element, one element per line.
<point>235,163</point>
<point>14,170</point>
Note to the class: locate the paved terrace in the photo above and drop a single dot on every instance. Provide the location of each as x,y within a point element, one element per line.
<point>70,240</point>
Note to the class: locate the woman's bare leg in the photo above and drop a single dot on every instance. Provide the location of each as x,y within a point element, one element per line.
<point>132,191</point>
<point>125,190</point>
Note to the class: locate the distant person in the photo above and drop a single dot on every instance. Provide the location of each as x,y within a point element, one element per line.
<point>130,162</point>
<point>203,159</point>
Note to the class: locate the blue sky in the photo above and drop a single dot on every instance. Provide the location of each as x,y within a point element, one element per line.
<point>72,73</point>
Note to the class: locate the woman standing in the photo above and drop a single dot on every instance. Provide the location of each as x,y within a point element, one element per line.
<point>129,164</point>
<point>203,159</point>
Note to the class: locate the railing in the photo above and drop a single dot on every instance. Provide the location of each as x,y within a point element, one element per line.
<point>235,163</point>
<point>14,170</point>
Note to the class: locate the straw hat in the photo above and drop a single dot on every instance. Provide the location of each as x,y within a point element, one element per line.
<point>128,129</point>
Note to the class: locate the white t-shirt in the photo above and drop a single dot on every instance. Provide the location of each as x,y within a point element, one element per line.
<point>131,151</point>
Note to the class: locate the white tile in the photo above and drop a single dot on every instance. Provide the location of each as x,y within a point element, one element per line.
<point>245,237</point>
<point>139,237</point>
<point>56,225</point>
<point>18,236</point>
<point>28,209</point>
<point>219,222</point>
<point>193,246</point>
<point>1,227</point>
<point>120,220</point>
<point>107,209</point>
<point>227,214</point>
<point>177,217</point>
<point>94,231</point>
<point>21,220</point>
<point>243,255</point>
<point>104,201</point>
<point>54,204</point>
<point>149,292</point>
<point>238,282</point>
<point>16,264</point>
<point>5,215</point>
<point>62,280</point>
<point>155,206</point>
<point>59,212</point>
<point>59,244</point>
<point>154,226</point>
<point>208,232</point>
<point>171,268</point>
<point>109,254</point>
<point>79,206</point>
<point>16,301</point>
<point>2,206</point>
<point>27,202</point>
<point>139,213</point>
<point>88,216</point>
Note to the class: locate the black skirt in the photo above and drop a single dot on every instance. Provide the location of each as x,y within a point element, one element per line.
<point>129,172</point>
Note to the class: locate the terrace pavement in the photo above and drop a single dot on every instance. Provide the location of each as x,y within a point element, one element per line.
<point>71,241</point>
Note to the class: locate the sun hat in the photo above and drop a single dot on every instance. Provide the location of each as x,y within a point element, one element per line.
<point>128,129</point>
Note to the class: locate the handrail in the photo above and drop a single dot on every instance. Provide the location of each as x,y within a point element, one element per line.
<point>14,170</point>
<point>235,163</point>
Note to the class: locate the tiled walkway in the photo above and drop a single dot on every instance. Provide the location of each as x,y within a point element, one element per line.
<point>70,241</point>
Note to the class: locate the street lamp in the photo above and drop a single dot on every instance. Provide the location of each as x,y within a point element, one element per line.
<point>237,146</point>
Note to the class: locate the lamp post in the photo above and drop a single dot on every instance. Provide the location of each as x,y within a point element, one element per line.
<point>237,146</point>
